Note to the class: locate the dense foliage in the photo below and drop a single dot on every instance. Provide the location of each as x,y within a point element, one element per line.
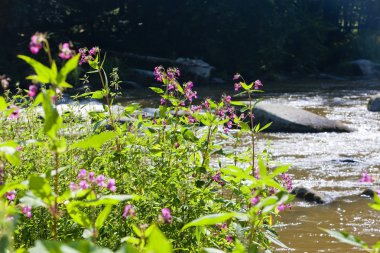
<point>175,181</point>
<point>257,36</point>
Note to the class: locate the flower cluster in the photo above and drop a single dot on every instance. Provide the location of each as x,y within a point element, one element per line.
<point>218,178</point>
<point>65,51</point>
<point>366,178</point>
<point>11,195</point>
<point>36,42</point>
<point>27,210</point>
<point>287,181</point>
<point>88,55</point>
<point>91,181</point>
<point>256,85</point>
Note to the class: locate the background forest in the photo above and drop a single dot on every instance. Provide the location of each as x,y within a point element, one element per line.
<point>268,38</point>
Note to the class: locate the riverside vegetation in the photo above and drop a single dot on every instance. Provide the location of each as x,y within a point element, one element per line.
<point>177,182</point>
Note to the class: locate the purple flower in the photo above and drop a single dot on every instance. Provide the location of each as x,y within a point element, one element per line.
<point>281,207</point>
<point>287,179</point>
<point>27,210</point>
<point>66,53</point>
<point>366,178</point>
<point>229,124</point>
<point>218,178</point>
<point>162,101</point>
<point>170,86</point>
<point>228,99</point>
<point>128,211</point>
<point>207,104</point>
<point>83,184</point>
<point>11,195</point>
<point>82,174</point>
<point>236,77</point>
<point>32,90</point>
<point>191,119</point>
<point>229,238</point>
<point>91,176</point>
<point>15,114</point>
<point>159,73</point>
<point>255,200</point>
<point>258,84</point>
<point>378,192</point>
<point>100,180</point>
<point>166,215</point>
<point>111,185</point>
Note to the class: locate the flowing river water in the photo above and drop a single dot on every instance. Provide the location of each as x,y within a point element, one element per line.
<point>331,163</point>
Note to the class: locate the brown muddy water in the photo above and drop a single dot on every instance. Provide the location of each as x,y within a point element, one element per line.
<point>331,163</point>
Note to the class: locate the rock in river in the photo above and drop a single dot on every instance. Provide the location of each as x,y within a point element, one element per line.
<point>374,104</point>
<point>310,195</point>
<point>290,119</point>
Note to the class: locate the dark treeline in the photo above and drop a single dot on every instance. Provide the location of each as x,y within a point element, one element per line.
<point>255,37</point>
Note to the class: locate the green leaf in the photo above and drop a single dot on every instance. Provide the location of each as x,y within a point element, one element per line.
<point>376,204</point>
<point>210,219</point>
<point>43,72</point>
<point>188,135</point>
<point>12,186</point>
<point>103,216</point>
<point>346,238</point>
<point>105,200</point>
<point>40,188</point>
<point>78,216</point>
<point>127,249</point>
<point>157,90</point>
<point>273,238</point>
<point>71,247</point>
<point>157,242</point>
<point>280,170</point>
<point>265,127</point>
<point>4,244</point>
<point>9,152</point>
<point>3,104</point>
<point>244,126</point>
<point>52,119</point>
<point>99,94</point>
<point>66,69</point>
<point>95,141</point>
<point>263,171</point>
<point>239,103</point>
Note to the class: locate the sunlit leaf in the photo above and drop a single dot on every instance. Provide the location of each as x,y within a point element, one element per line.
<point>210,219</point>
<point>347,238</point>
<point>43,72</point>
<point>157,242</point>
<point>95,141</point>
<point>103,216</point>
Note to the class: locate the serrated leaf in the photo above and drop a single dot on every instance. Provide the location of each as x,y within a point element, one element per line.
<point>43,72</point>
<point>157,90</point>
<point>95,141</point>
<point>210,219</point>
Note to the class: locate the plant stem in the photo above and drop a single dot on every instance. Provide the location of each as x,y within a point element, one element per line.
<point>55,209</point>
<point>252,133</point>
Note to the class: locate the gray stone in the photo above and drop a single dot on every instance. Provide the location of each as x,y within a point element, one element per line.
<point>374,104</point>
<point>290,119</point>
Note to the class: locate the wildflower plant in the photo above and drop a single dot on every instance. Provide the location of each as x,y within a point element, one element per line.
<point>190,192</point>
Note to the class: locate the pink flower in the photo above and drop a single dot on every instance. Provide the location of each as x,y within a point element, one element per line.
<point>91,176</point>
<point>36,42</point>
<point>111,185</point>
<point>10,195</point>
<point>73,186</point>
<point>258,84</point>
<point>128,211</point>
<point>162,101</point>
<point>19,148</point>
<point>255,200</point>
<point>366,178</point>
<point>207,104</point>
<point>66,53</point>
<point>281,207</point>
<point>4,81</point>
<point>229,238</point>
<point>237,86</point>
<point>32,90</point>
<point>236,77</point>
<point>27,210</point>
<point>166,215</point>
<point>228,99</point>
<point>15,114</point>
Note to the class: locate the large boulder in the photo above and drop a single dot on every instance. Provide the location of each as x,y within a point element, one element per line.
<point>290,119</point>
<point>310,195</point>
<point>374,104</point>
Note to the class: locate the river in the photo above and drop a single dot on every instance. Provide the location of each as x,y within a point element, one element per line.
<point>331,163</point>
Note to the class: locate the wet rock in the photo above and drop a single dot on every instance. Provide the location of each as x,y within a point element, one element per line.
<point>368,193</point>
<point>197,67</point>
<point>367,67</point>
<point>310,195</point>
<point>374,104</point>
<point>290,119</point>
